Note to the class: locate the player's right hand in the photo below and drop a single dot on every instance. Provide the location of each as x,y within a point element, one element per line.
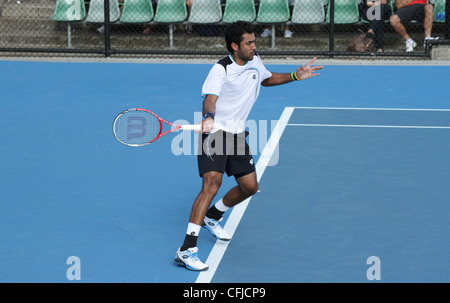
<point>207,125</point>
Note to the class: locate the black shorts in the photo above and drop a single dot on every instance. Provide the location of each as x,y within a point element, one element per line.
<point>411,12</point>
<point>225,152</point>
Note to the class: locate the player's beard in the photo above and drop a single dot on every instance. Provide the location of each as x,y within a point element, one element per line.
<point>248,57</point>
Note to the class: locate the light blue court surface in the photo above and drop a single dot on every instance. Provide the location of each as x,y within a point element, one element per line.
<point>353,178</point>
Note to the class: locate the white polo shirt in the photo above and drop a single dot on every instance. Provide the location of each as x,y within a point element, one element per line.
<point>237,87</point>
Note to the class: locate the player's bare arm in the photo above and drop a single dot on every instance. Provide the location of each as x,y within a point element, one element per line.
<point>302,73</point>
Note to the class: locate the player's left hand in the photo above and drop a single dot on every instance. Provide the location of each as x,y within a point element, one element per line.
<point>305,72</point>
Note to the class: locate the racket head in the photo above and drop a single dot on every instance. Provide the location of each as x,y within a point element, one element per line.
<point>137,127</point>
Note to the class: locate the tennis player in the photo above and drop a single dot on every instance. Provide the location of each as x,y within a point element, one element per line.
<point>230,91</point>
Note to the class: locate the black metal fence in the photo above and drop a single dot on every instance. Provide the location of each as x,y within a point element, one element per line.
<point>194,28</point>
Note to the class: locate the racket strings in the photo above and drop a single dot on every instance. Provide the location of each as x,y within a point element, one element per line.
<point>137,127</point>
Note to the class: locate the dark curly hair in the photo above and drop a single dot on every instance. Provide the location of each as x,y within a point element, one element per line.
<point>234,33</point>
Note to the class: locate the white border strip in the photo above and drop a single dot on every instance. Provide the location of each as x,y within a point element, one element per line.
<point>378,108</point>
<point>238,211</point>
<point>374,126</point>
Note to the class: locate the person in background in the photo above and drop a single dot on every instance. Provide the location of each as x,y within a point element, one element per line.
<point>408,10</point>
<point>101,29</point>
<point>268,32</point>
<point>376,25</point>
<point>287,33</point>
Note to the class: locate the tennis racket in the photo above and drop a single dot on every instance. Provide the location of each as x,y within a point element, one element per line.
<point>139,127</point>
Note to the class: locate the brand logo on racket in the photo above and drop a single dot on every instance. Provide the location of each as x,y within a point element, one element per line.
<point>136,127</point>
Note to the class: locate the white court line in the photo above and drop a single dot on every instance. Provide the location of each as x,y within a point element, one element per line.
<point>238,211</point>
<point>374,109</point>
<point>374,126</point>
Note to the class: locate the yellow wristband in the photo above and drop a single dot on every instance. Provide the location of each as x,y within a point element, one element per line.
<point>292,77</point>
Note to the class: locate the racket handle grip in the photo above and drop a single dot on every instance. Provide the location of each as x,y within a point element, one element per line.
<point>191,127</point>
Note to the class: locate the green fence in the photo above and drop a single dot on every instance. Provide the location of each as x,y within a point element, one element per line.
<point>194,28</point>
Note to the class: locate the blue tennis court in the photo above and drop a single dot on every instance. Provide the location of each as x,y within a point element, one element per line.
<point>356,165</point>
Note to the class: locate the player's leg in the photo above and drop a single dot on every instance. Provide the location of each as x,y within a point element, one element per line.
<point>211,183</point>
<point>211,165</point>
<point>240,164</point>
<point>247,186</point>
<point>187,253</point>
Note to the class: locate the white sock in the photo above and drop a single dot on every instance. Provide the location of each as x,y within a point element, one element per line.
<point>220,206</point>
<point>193,229</point>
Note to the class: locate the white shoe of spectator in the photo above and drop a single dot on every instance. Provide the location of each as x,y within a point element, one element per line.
<point>410,44</point>
<point>266,33</point>
<point>429,39</point>
<point>101,29</point>
<point>287,34</point>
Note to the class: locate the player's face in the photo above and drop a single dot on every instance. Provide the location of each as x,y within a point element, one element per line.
<point>247,47</point>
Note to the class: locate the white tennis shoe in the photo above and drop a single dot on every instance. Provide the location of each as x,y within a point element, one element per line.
<point>288,34</point>
<point>266,33</point>
<point>215,229</point>
<point>410,45</point>
<point>189,259</point>
<point>429,39</point>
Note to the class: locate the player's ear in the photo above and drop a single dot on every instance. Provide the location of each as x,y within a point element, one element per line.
<point>234,46</point>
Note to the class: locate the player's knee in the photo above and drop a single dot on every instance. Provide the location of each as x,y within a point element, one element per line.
<point>254,189</point>
<point>212,185</point>
<point>250,189</point>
